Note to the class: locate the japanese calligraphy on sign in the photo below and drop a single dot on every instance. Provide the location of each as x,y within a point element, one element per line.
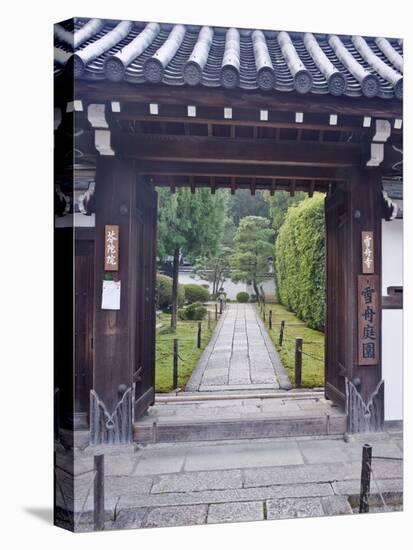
<point>111,247</point>
<point>368,320</point>
<point>367,251</point>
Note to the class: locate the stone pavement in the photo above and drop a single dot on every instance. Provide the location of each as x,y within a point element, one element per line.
<point>243,407</point>
<point>215,482</point>
<point>240,356</point>
<point>229,415</point>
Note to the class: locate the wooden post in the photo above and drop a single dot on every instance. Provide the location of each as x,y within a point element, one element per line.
<point>280,341</point>
<point>209,320</point>
<point>220,306</point>
<point>216,311</point>
<point>298,361</point>
<point>263,315</point>
<point>270,319</point>
<point>175,364</point>
<point>365,478</point>
<point>351,209</point>
<point>99,493</point>
<point>198,342</point>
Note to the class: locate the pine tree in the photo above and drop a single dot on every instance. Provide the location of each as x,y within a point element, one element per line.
<point>190,224</point>
<point>253,247</point>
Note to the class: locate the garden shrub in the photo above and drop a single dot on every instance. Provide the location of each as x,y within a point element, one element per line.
<point>164,292</point>
<point>300,261</point>
<point>196,293</point>
<point>193,312</point>
<point>243,297</point>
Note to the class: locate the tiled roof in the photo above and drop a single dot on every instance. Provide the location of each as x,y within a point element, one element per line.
<point>139,52</point>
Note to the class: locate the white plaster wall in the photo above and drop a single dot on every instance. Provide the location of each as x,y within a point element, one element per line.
<point>230,288</point>
<point>392,320</point>
<point>392,254</point>
<point>392,368</point>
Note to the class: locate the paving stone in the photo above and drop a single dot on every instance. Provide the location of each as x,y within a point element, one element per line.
<point>316,452</point>
<point>294,508</point>
<point>354,450</point>
<point>174,516</point>
<point>308,473</point>
<point>244,455</point>
<point>383,485</point>
<point>120,465</point>
<point>128,519</point>
<point>227,495</point>
<point>235,511</point>
<point>240,355</point>
<point>163,461</point>
<point>198,481</point>
<point>336,505</point>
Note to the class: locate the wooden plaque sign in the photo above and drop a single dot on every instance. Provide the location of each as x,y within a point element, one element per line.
<point>367,251</point>
<point>368,320</point>
<point>111,247</point>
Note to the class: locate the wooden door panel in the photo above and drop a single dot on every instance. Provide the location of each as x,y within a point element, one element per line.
<point>144,378</point>
<point>83,330</point>
<point>336,318</point>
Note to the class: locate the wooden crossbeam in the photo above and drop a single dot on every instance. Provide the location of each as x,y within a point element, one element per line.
<point>218,97</point>
<point>273,186</point>
<point>255,123</point>
<point>253,186</point>
<point>225,150</point>
<point>234,170</point>
<point>320,186</point>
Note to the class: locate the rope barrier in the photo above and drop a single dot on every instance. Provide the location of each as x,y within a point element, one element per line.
<point>312,356</point>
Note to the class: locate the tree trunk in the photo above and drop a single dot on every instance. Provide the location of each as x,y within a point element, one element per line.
<point>256,290</point>
<point>175,275</point>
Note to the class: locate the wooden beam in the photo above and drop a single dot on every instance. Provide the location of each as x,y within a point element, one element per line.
<point>253,186</point>
<point>234,170</point>
<point>311,188</point>
<point>302,185</point>
<point>218,97</point>
<point>202,149</point>
<point>233,186</point>
<point>213,185</point>
<point>273,186</point>
<point>241,120</point>
<point>292,188</point>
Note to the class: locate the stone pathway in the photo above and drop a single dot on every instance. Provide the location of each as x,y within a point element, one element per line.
<point>244,408</point>
<point>240,356</point>
<point>162,485</point>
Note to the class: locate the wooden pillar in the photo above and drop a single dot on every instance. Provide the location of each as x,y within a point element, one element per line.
<point>364,385</point>
<point>352,208</point>
<point>114,338</point>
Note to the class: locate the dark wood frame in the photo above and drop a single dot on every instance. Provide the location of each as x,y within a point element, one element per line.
<point>328,162</point>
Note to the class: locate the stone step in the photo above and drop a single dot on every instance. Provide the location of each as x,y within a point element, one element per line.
<point>169,431</point>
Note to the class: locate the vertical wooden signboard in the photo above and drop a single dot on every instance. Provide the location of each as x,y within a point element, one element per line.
<point>111,247</point>
<point>367,251</point>
<point>368,320</point>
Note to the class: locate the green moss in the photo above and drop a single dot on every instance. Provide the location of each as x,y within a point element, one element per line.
<point>313,344</point>
<point>189,354</point>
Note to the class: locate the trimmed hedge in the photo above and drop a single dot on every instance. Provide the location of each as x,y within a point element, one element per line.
<point>193,312</point>
<point>164,292</point>
<point>196,293</point>
<point>243,297</point>
<point>300,261</point>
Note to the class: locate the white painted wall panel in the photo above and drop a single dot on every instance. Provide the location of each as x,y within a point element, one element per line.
<point>392,356</point>
<point>392,328</point>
